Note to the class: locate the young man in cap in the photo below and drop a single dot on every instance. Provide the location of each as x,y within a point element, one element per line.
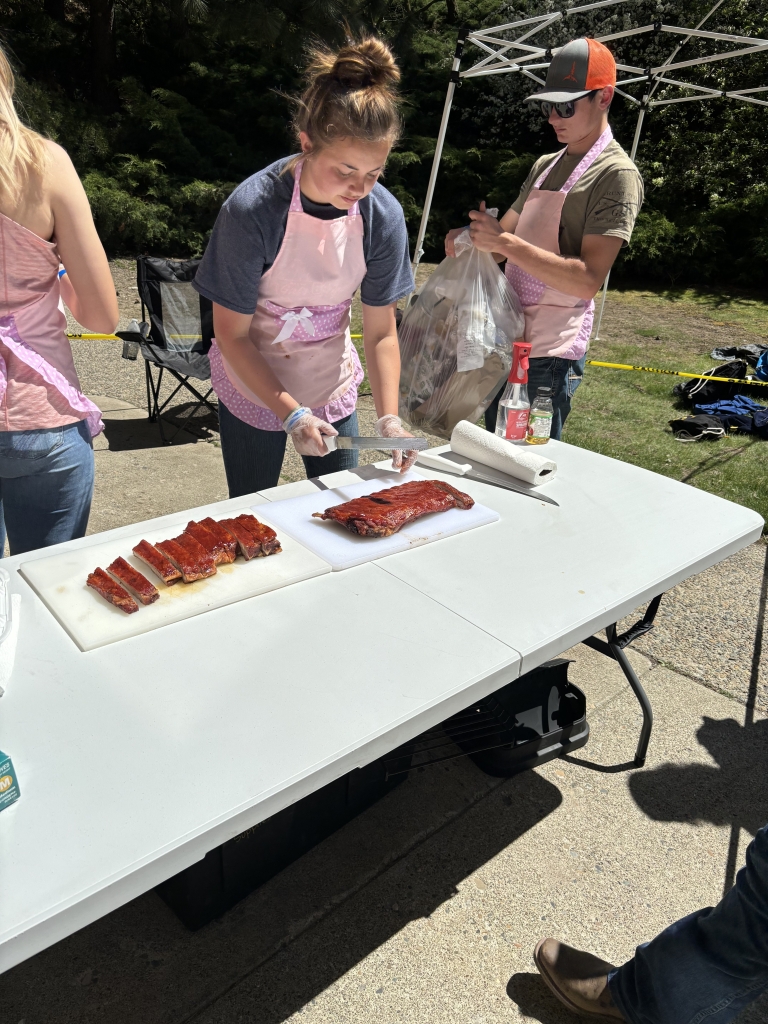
<point>574,212</point>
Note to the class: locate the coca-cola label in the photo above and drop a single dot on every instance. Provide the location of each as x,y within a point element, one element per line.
<point>517,424</point>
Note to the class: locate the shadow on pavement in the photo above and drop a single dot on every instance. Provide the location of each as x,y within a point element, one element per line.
<point>534,999</point>
<point>132,434</point>
<point>301,932</point>
<point>735,792</point>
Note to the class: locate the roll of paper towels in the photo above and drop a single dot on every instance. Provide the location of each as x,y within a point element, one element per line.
<point>481,445</point>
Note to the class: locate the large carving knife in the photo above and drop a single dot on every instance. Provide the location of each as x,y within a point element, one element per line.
<point>382,444</point>
<point>430,461</point>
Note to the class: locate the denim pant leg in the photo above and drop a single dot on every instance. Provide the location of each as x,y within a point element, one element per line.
<point>253,458</point>
<point>340,459</point>
<point>552,373</point>
<point>707,967</point>
<point>46,485</point>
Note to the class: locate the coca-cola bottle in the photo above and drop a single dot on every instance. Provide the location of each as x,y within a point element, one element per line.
<point>512,420</point>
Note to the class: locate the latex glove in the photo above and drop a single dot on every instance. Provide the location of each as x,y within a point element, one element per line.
<point>450,240</point>
<point>307,432</point>
<point>392,426</point>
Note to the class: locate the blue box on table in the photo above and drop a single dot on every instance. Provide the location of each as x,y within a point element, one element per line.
<point>9,784</point>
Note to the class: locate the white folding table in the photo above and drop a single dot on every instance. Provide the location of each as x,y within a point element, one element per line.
<point>136,759</point>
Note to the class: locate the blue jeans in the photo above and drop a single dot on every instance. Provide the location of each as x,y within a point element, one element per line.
<point>707,967</point>
<point>563,376</point>
<point>253,458</point>
<point>46,486</point>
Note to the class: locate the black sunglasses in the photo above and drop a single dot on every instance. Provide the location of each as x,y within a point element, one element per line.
<point>567,109</point>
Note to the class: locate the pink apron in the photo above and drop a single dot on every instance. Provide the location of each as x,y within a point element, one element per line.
<point>556,324</point>
<point>301,323</point>
<point>32,322</point>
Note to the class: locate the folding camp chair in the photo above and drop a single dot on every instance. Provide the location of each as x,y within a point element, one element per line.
<point>180,329</point>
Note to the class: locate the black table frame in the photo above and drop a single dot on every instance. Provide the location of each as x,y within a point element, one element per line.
<point>613,647</point>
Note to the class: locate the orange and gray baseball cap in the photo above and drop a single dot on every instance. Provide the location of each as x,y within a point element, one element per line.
<point>575,70</point>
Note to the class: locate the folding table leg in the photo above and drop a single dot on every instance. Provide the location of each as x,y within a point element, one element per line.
<point>614,648</point>
<point>642,696</point>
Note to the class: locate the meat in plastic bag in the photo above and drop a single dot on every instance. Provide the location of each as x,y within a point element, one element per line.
<point>456,341</point>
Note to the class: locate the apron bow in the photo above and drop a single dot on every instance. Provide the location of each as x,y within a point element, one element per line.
<point>291,320</point>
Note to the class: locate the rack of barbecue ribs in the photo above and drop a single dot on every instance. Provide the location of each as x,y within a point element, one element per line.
<point>157,562</point>
<point>385,512</point>
<point>220,545</point>
<point>189,556</point>
<point>193,555</point>
<point>133,581</point>
<point>263,535</point>
<point>111,591</point>
<point>254,539</point>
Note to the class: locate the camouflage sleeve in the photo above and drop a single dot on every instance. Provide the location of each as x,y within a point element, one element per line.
<point>615,204</point>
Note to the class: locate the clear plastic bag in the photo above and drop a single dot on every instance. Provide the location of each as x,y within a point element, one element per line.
<point>456,341</point>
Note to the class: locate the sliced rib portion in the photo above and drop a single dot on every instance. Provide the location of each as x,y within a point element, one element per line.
<point>133,581</point>
<point>222,535</point>
<point>112,591</point>
<point>385,512</point>
<point>215,547</point>
<point>261,533</point>
<point>157,562</point>
<point>188,556</point>
<point>249,546</point>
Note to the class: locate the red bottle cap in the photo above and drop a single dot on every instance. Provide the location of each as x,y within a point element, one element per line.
<point>521,350</point>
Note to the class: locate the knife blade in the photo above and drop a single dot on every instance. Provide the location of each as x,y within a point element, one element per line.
<point>382,444</point>
<point>464,469</point>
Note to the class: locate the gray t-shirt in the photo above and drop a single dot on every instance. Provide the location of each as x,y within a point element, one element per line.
<point>251,225</point>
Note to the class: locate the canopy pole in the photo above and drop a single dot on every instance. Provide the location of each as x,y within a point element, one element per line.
<point>632,155</point>
<point>419,251</point>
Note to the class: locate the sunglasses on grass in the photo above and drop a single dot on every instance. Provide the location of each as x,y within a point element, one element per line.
<point>567,109</point>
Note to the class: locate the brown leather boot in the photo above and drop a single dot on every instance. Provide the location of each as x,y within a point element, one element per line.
<point>580,980</point>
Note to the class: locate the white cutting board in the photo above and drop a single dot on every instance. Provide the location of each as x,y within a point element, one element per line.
<point>343,549</point>
<point>60,581</point>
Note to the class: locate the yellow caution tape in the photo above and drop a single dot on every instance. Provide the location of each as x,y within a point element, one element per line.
<point>94,337</point>
<point>679,373</point>
<point>114,337</point>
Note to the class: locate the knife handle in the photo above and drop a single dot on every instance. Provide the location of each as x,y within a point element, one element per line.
<point>330,442</point>
<point>431,461</point>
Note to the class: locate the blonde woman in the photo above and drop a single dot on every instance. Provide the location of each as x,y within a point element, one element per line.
<point>290,248</point>
<point>46,423</point>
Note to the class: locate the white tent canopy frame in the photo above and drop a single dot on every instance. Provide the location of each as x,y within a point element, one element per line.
<point>519,56</point>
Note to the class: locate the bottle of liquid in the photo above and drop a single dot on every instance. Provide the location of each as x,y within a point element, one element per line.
<point>512,420</point>
<point>540,418</point>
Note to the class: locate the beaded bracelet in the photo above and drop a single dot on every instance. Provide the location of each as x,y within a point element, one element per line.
<point>292,418</point>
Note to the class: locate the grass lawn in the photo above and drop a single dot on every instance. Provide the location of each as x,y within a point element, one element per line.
<point>625,415</point>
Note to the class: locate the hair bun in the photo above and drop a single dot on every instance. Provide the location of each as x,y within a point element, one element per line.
<point>350,93</point>
<point>366,64</point>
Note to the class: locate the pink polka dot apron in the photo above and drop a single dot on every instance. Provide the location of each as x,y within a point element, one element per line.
<point>556,324</point>
<point>301,323</point>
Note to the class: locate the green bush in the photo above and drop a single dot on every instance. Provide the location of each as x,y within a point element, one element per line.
<point>189,97</point>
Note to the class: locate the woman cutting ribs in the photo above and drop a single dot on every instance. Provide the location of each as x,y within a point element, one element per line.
<point>290,248</point>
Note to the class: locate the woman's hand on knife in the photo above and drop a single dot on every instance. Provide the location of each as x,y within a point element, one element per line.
<point>308,432</point>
